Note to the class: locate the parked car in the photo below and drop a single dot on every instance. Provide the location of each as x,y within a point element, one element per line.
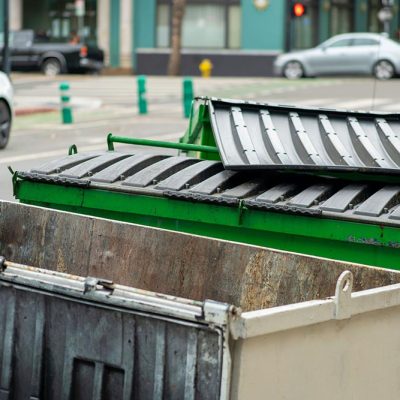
<point>351,54</point>
<point>38,53</point>
<point>6,109</point>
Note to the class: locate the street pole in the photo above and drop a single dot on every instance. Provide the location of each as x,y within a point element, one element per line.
<point>386,27</point>
<point>385,15</point>
<point>6,47</point>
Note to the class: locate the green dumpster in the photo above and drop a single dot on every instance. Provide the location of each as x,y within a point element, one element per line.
<point>313,181</point>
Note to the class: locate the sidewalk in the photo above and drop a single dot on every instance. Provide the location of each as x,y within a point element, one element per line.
<point>35,93</point>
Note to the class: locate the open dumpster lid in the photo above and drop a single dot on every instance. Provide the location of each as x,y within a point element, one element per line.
<point>252,135</point>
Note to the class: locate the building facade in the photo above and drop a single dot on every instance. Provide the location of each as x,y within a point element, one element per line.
<point>240,37</point>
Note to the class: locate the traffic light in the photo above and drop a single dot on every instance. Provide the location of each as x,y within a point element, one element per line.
<point>298,9</point>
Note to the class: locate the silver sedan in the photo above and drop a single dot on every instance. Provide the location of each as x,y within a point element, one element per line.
<point>347,54</point>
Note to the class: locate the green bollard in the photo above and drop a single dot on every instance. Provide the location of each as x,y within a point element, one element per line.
<point>187,96</point>
<point>66,110</point>
<point>142,101</point>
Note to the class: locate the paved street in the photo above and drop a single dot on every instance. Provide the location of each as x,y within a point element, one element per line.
<point>104,104</point>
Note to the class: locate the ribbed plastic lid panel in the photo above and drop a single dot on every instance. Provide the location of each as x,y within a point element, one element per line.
<point>253,135</point>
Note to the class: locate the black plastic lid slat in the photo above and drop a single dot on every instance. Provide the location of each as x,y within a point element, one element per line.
<point>344,198</point>
<point>230,151</point>
<point>94,165</point>
<point>333,145</point>
<point>304,147</point>
<point>243,190</point>
<point>383,199</point>
<point>215,183</point>
<point>61,164</point>
<point>395,215</point>
<point>389,139</point>
<point>365,149</point>
<point>191,175</point>
<point>311,195</point>
<point>241,132</point>
<point>274,147</point>
<point>277,193</point>
<point>126,167</point>
<point>159,171</point>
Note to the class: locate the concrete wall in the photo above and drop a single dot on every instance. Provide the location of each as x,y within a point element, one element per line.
<point>145,23</point>
<point>263,29</point>
<point>15,14</point>
<point>103,27</point>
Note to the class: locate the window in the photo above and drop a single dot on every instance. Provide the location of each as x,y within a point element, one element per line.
<point>365,42</point>
<point>341,16</point>
<point>303,30</point>
<point>235,27</point>
<point>55,20</point>
<point>22,39</point>
<point>340,43</point>
<point>206,24</point>
<point>374,25</point>
<point>163,30</point>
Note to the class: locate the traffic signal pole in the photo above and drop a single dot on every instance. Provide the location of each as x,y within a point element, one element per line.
<point>6,47</point>
<point>295,9</point>
<point>288,41</point>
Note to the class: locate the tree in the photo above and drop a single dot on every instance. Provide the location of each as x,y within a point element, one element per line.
<point>178,11</point>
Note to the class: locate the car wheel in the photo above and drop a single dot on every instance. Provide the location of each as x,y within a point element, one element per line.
<point>383,70</point>
<point>293,70</point>
<point>5,124</point>
<point>51,67</point>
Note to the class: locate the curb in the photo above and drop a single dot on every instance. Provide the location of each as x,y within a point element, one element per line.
<point>36,110</point>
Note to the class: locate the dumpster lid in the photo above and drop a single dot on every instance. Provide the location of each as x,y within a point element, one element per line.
<point>252,135</point>
<point>205,181</point>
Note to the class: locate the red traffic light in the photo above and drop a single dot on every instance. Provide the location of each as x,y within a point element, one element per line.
<point>298,9</point>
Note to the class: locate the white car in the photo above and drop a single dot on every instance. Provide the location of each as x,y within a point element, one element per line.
<point>6,109</point>
<point>347,54</point>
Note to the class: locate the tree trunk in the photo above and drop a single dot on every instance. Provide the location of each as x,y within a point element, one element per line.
<point>178,10</point>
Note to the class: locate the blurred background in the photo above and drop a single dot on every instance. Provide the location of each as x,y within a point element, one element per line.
<point>80,69</point>
<point>242,37</point>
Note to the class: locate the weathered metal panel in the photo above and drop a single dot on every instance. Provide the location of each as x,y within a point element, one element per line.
<point>198,268</point>
<point>254,135</point>
<point>60,343</point>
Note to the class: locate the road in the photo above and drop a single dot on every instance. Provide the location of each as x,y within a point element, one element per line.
<point>104,104</point>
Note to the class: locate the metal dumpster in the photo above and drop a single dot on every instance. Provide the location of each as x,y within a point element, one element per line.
<point>93,308</point>
<point>347,210</point>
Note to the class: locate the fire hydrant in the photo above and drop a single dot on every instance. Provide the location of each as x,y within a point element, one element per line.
<point>205,68</point>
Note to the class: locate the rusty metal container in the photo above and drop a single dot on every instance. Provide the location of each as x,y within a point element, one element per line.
<point>93,308</point>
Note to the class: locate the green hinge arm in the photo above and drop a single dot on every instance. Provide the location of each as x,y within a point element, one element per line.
<point>157,143</point>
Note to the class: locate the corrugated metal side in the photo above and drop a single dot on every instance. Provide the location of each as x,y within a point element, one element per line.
<point>59,346</point>
<point>254,135</point>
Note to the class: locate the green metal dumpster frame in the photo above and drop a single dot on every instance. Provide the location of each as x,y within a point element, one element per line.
<point>345,240</point>
<point>360,242</point>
